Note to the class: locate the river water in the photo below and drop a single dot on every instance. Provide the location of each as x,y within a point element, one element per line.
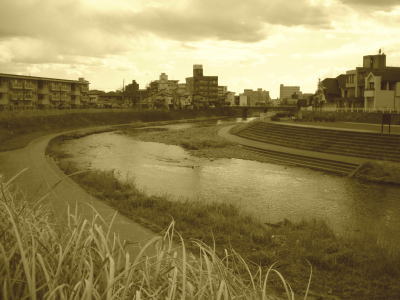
<point>269,192</point>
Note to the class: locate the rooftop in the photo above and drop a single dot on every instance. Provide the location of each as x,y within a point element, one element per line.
<point>41,78</point>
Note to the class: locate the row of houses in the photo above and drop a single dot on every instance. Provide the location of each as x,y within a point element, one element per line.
<point>372,86</point>
<point>198,91</point>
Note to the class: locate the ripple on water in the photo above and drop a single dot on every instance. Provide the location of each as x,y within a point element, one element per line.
<point>268,191</point>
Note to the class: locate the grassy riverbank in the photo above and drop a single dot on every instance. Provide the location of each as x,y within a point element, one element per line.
<point>349,269</point>
<point>17,129</point>
<point>82,260</point>
<point>201,141</point>
<point>382,172</point>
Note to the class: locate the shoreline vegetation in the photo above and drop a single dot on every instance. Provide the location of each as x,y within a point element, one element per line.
<point>18,128</point>
<point>379,172</point>
<point>204,141</point>
<point>39,260</point>
<point>349,269</point>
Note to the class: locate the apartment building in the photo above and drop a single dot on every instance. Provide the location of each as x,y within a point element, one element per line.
<point>287,92</point>
<point>230,99</point>
<point>222,93</point>
<point>253,98</point>
<point>19,91</point>
<point>203,89</point>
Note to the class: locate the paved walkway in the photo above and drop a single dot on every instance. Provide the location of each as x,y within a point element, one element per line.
<point>43,176</point>
<point>224,132</point>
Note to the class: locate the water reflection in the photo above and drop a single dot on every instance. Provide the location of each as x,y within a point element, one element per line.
<point>269,192</point>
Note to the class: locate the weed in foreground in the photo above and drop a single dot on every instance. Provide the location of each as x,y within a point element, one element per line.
<point>85,260</point>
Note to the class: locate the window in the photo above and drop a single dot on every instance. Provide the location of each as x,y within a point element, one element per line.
<point>371,85</point>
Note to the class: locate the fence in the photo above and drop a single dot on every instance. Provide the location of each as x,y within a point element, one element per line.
<point>353,109</point>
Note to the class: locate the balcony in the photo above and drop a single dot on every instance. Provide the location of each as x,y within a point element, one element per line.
<point>65,99</point>
<point>75,101</point>
<point>369,93</point>
<point>16,85</point>
<point>66,88</point>
<point>57,87</point>
<point>43,91</point>
<point>28,86</point>
<point>44,101</point>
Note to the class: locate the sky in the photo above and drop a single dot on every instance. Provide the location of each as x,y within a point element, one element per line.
<point>249,44</point>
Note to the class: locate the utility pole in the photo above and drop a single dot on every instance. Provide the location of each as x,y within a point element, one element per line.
<point>123,91</point>
<point>23,93</point>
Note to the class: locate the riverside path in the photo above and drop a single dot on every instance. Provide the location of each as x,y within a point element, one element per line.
<point>44,177</point>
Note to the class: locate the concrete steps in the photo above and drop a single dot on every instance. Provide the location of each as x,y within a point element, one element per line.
<point>348,143</point>
<point>337,167</point>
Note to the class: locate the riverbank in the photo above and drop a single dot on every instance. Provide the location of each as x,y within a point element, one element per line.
<point>17,129</point>
<point>202,140</point>
<point>82,260</point>
<point>381,172</point>
<point>341,267</point>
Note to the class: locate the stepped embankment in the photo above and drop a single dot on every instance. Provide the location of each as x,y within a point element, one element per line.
<point>361,152</point>
<point>360,144</point>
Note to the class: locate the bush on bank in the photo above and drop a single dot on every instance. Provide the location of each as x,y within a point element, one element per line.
<point>344,268</point>
<point>39,260</point>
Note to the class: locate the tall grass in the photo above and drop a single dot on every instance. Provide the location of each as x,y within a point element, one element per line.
<point>346,268</point>
<point>85,260</point>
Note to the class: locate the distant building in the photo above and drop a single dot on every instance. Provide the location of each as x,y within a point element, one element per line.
<point>182,97</point>
<point>257,97</point>
<point>243,100</point>
<point>19,91</point>
<point>112,99</point>
<point>164,84</point>
<point>203,89</point>
<point>230,99</point>
<point>161,93</point>
<point>94,98</point>
<point>222,91</point>
<point>287,92</point>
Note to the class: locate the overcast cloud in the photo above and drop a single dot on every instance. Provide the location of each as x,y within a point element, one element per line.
<point>106,40</point>
<point>382,4</point>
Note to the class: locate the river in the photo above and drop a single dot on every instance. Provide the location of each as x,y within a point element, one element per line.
<point>269,192</point>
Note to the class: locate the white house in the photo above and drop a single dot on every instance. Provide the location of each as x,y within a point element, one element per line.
<point>382,90</point>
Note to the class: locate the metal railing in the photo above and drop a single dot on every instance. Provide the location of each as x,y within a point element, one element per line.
<point>356,109</point>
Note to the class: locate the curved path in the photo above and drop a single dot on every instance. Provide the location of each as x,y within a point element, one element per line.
<point>44,177</point>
